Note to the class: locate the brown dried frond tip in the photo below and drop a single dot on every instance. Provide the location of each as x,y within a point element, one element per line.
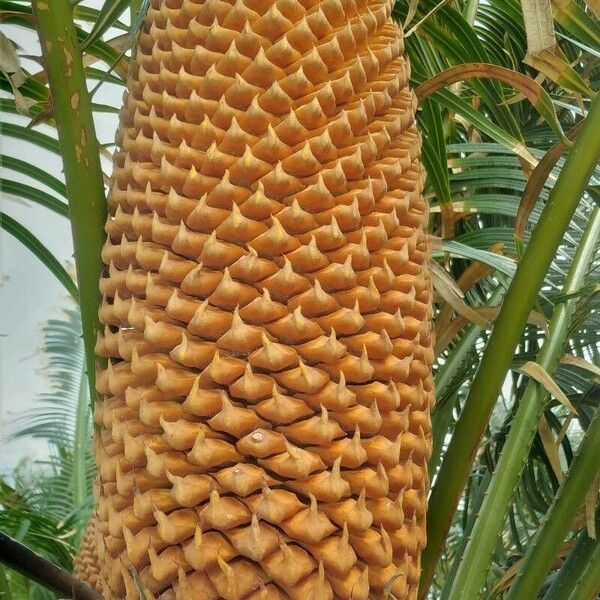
<point>265,413</point>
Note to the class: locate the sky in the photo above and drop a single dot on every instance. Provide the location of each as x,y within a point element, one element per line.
<point>29,293</point>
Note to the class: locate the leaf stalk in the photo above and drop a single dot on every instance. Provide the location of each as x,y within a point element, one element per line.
<point>483,394</point>
<point>475,561</point>
<point>81,158</point>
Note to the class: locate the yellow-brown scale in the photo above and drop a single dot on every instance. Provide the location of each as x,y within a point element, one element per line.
<point>85,564</point>
<point>264,421</point>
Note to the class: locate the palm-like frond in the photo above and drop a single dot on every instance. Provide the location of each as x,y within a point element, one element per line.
<point>47,503</point>
<point>62,417</point>
<point>485,165</point>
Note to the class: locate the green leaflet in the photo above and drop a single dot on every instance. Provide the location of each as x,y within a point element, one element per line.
<point>28,192</point>
<point>434,157</point>
<point>483,392</point>
<point>457,104</point>
<point>41,140</point>
<point>33,244</point>
<point>502,263</point>
<point>577,22</point>
<point>542,550</point>
<point>40,175</point>
<point>98,48</point>
<point>474,563</point>
<point>530,88</point>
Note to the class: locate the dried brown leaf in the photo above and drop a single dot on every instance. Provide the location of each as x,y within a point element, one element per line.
<point>537,372</point>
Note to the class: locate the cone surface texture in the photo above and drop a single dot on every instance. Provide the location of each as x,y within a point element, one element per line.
<point>85,564</point>
<point>264,416</point>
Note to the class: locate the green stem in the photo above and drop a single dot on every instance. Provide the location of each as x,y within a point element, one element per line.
<point>81,444</point>
<point>459,352</point>
<point>586,552</point>
<point>81,158</point>
<point>440,423</point>
<point>475,562</point>
<point>568,501</point>
<point>442,413</point>
<point>483,394</point>
<point>588,584</point>
<point>466,533</point>
<point>134,8</point>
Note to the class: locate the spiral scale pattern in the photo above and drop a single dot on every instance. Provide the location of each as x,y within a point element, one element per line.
<point>264,416</point>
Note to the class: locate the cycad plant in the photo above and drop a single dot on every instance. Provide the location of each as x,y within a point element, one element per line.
<point>264,338</point>
<point>265,408</point>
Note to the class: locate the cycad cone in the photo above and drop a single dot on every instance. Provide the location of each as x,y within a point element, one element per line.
<point>265,413</point>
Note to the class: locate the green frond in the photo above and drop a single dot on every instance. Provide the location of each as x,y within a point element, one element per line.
<point>48,502</point>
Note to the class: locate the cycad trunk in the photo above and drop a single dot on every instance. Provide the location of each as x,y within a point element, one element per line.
<point>265,422</point>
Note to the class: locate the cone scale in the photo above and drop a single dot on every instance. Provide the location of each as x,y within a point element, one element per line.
<point>264,417</point>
